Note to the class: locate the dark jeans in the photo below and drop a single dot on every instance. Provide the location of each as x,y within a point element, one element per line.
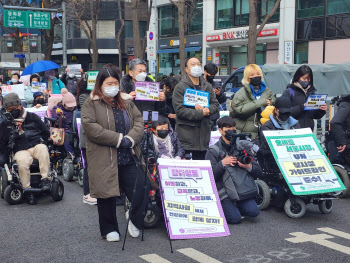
<point>107,207</point>
<point>197,155</point>
<point>67,146</point>
<point>86,176</point>
<point>233,211</point>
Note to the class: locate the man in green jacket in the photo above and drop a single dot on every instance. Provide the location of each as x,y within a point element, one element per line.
<point>193,122</point>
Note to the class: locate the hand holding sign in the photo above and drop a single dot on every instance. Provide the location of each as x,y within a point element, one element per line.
<point>316,102</point>
<point>193,97</point>
<point>148,91</point>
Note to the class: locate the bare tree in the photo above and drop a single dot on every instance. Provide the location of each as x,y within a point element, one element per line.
<point>186,11</point>
<point>254,32</point>
<point>86,13</point>
<point>120,30</point>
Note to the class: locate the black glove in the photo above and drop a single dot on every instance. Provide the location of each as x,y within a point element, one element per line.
<point>125,143</point>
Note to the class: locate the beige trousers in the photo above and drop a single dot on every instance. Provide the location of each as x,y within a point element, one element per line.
<point>25,159</point>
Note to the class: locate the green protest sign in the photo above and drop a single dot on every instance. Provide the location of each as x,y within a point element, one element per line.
<point>303,163</point>
<point>91,79</point>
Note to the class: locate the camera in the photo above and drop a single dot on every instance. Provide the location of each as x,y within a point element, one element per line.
<point>240,146</point>
<point>149,116</point>
<point>13,129</point>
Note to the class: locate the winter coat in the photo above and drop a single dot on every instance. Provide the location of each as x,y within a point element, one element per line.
<point>127,86</point>
<point>68,116</point>
<point>102,142</point>
<point>340,123</point>
<point>57,85</point>
<point>28,96</point>
<point>305,118</point>
<point>221,98</point>
<point>71,83</point>
<point>82,139</point>
<point>192,127</point>
<point>176,144</point>
<point>35,132</point>
<point>82,98</point>
<point>219,170</point>
<point>246,110</point>
<point>273,125</point>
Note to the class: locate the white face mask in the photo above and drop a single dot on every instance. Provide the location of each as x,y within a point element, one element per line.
<point>141,76</point>
<point>71,76</point>
<point>196,71</point>
<point>52,77</point>
<point>14,80</point>
<point>111,91</point>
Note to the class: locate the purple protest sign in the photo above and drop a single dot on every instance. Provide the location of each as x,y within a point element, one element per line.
<point>147,90</point>
<point>41,112</point>
<point>78,128</point>
<point>190,200</point>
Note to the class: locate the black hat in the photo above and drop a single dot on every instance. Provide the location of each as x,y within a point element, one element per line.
<point>37,94</point>
<point>283,104</point>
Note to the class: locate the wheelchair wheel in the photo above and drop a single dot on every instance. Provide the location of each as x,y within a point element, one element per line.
<point>326,206</point>
<point>343,174</point>
<point>80,177</point>
<point>264,196</point>
<point>57,190</point>
<point>68,170</point>
<point>152,216</point>
<point>13,195</point>
<point>296,209</point>
<point>3,183</point>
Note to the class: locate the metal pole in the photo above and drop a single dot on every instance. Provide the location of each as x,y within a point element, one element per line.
<point>29,60</point>
<point>64,29</point>
<point>324,32</point>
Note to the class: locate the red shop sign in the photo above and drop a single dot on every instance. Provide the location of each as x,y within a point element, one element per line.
<point>268,32</point>
<point>213,38</point>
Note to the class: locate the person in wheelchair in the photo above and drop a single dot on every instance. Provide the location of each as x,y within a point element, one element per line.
<point>220,161</point>
<point>29,143</point>
<point>39,99</point>
<point>340,127</point>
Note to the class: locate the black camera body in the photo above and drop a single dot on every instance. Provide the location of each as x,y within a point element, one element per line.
<point>13,128</point>
<point>240,146</point>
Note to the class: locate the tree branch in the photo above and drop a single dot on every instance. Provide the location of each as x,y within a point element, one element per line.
<point>273,11</point>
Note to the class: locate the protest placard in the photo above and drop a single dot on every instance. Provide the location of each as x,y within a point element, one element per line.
<point>214,137</point>
<point>41,112</point>
<point>19,89</point>
<point>38,86</point>
<point>314,102</point>
<point>147,90</point>
<point>303,163</point>
<point>74,69</point>
<point>91,79</point>
<point>193,97</point>
<point>78,128</point>
<point>191,204</point>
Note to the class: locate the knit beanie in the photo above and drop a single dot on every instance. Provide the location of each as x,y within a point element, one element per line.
<point>11,99</point>
<point>68,98</point>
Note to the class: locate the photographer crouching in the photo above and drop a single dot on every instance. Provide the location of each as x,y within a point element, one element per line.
<point>27,135</point>
<point>234,171</point>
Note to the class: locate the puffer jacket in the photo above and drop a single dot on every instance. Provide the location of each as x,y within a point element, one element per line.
<point>340,124</point>
<point>192,127</point>
<point>305,118</point>
<point>68,116</point>
<point>127,86</point>
<point>246,110</point>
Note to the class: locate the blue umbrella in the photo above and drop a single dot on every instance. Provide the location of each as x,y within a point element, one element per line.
<point>39,66</point>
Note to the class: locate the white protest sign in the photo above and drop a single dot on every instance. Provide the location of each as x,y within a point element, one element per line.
<point>74,69</point>
<point>214,137</point>
<point>191,203</point>
<point>303,163</point>
<point>19,89</point>
<point>38,86</point>
<point>41,112</point>
<point>314,102</point>
<point>147,90</point>
<point>193,97</point>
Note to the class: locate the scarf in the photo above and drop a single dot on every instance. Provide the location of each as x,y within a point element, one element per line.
<point>297,84</point>
<point>163,146</point>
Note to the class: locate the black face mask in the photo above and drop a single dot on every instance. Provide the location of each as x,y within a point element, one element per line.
<point>40,101</point>
<point>210,78</point>
<point>229,134</point>
<point>168,94</point>
<point>284,116</point>
<point>255,81</point>
<point>15,114</point>
<point>304,84</point>
<point>162,133</point>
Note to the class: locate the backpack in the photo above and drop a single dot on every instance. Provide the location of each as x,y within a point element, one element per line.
<point>291,94</point>
<point>238,184</point>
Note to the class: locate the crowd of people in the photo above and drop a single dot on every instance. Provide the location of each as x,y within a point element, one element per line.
<point>112,133</point>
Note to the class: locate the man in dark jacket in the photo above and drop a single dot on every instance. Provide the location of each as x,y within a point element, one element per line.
<point>193,123</point>
<point>137,72</point>
<point>70,81</point>
<point>340,127</point>
<point>219,162</point>
<point>28,144</point>
<point>210,70</point>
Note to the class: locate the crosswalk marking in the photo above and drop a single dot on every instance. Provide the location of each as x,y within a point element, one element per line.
<point>154,258</point>
<point>197,256</point>
<point>334,232</point>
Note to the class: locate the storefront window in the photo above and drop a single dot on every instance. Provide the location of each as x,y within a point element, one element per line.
<point>310,8</point>
<point>310,29</point>
<point>338,7</point>
<point>224,14</point>
<point>301,53</point>
<point>242,13</point>
<point>196,23</point>
<point>266,8</point>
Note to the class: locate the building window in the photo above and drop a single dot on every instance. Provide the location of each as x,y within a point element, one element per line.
<point>242,13</point>
<point>310,29</point>
<point>266,8</point>
<point>128,29</point>
<point>105,29</point>
<point>338,7</point>
<point>196,23</point>
<point>310,8</point>
<point>301,53</point>
<point>167,20</point>
<point>338,26</point>
<point>224,14</point>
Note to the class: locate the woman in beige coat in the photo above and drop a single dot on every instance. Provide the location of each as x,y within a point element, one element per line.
<point>113,128</point>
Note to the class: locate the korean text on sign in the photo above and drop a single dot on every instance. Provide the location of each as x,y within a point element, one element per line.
<point>193,97</point>
<point>314,102</point>
<point>91,79</point>
<point>147,90</point>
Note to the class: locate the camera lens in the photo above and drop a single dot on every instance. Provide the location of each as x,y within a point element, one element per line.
<point>246,160</point>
